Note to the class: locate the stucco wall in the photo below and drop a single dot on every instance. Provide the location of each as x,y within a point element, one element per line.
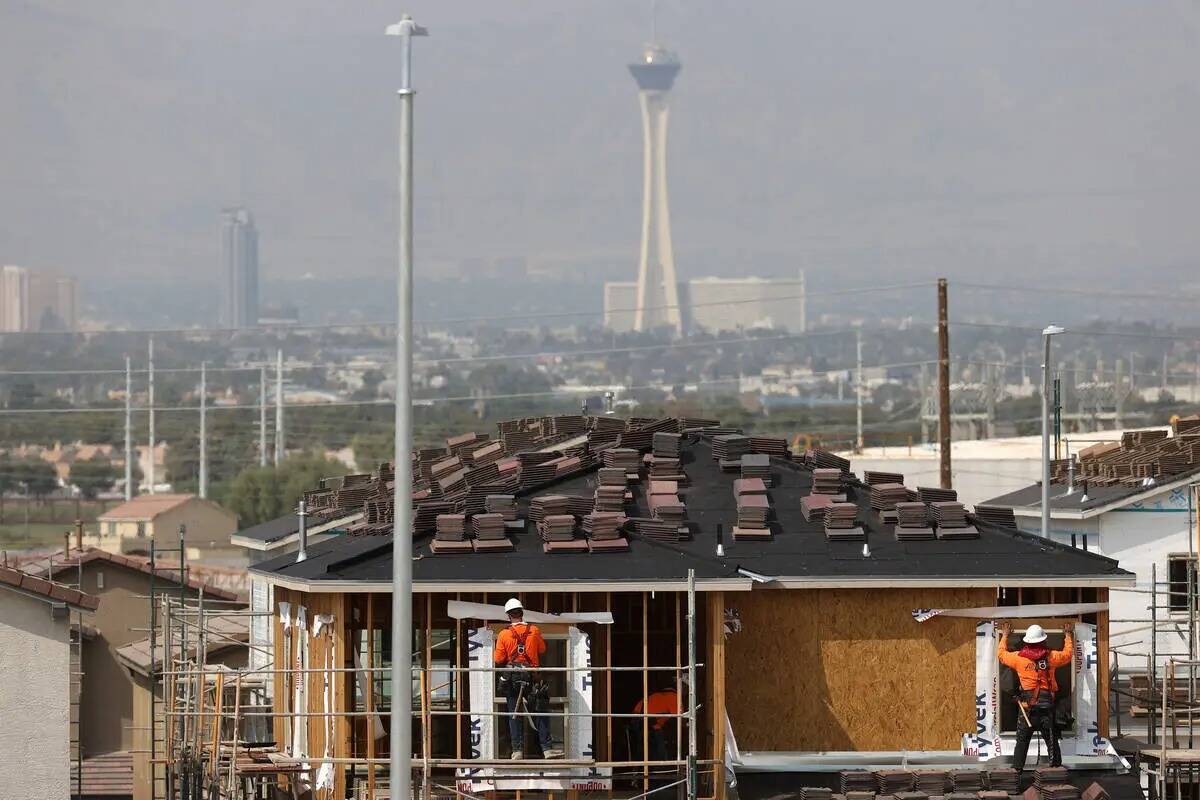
<point>34,699</point>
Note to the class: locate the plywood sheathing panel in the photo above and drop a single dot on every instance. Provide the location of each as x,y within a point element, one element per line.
<point>849,669</point>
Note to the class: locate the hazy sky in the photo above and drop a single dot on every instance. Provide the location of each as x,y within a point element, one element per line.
<point>994,140</point>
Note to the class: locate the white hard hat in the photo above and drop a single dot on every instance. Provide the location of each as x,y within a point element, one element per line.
<point>515,605</point>
<point>1034,634</point>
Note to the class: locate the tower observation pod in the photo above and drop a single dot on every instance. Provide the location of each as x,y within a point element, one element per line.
<point>657,286</point>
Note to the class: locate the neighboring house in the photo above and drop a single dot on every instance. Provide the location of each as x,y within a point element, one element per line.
<point>809,646</point>
<point>35,676</point>
<point>129,527</point>
<point>123,584</point>
<point>272,539</point>
<point>1133,500</point>
<point>227,646</point>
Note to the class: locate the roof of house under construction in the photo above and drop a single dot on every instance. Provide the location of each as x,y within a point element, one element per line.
<point>686,485</point>
<point>1117,473</point>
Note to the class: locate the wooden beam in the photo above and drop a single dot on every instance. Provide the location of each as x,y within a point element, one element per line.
<point>608,662</point>
<point>1102,672</point>
<point>458,684</point>
<point>716,678</point>
<point>370,696</point>
<point>645,691</point>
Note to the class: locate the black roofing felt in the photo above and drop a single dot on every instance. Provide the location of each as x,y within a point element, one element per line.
<point>273,529</point>
<point>798,550</point>
<point>1098,496</point>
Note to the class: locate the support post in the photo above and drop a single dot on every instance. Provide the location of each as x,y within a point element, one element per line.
<point>150,402</point>
<point>944,384</point>
<point>203,489</point>
<point>400,756</point>
<point>278,407</point>
<point>153,679</point>
<point>858,391</point>
<point>692,723</point>
<point>128,430</point>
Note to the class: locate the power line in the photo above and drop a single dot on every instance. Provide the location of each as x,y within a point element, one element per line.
<point>1072,332</point>
<point>1116,294</point>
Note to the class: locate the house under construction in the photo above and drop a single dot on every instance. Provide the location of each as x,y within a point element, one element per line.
<point>829,621</point>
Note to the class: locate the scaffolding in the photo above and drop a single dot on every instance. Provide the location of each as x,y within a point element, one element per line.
<point>212,716</point>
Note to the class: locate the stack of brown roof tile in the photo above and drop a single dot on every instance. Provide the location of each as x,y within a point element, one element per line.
<point>813,506</point>
<point>466,443</point>
<point>756,465</point>
<point>663,487</point>
<point>891,781</point>
<point>884,496</point>
<point>640,440</point>
<point>1003,779</point>
<point>610,498</point>
<point>857,780</point>
<point>933,494</point>
<point>827,480</point>
<point>873,477</point>
<point>697,423</point>
<point>612,476</point>
<point>426,514</point>
<point>770,445</point>
<point>624,458</point>
<point>667,507</point>
<point>603,532</point>
<point>994,794</point>
<point>451,484</point>
<point>580,505</point>
<point>752,511</point>
<point>966,780</point>
<point>996,515</point>
<point>652,528</point>
<point>816,793</point>
<point>911,524</point>
<point>490,533</point>
<point>538,474</point>
<point>862,795</point>
<point>1095,792</point>
<point>730,447</point>
<point>667,444</point>
<point>503,504</point>
<point>556,527</point>
<point>840,524</point>
<point>1048,776</point>
<point>548,505</point>
<point>1059,791</point>
<point>451,535</point>
<point>951,521</point>
<point>930,781</point>
<point>664,468</point>
<point>825,460</point>
<point>488,454</point>
<point>749,486</point>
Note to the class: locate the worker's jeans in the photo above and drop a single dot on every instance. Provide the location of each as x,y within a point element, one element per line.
<point>1042,722</point>
<point>516,722</point>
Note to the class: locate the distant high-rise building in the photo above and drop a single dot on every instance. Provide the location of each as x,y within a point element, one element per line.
<point>239,264</point>
<point>35,300</point>
<point>719,304</point>
<point>657,293</point>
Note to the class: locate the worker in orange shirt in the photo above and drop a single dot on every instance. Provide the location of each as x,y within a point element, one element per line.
<point>1034,664</point>
<point>519,647</point>
<point>664,701</point>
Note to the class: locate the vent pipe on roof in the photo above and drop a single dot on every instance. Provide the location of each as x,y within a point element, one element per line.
<point>720,544</point>
<point>302,513</point>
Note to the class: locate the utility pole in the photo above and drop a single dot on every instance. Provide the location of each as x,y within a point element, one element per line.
<point>150,402</point>
<point>204,429</point>
<point>262,416</point>
<point>278,407</point>
<point>1050,331</point>
<point>400,755</point>
<point>128,430</point>
<point>858,390</point>
<point>944,384</point>
<point>924,399</point>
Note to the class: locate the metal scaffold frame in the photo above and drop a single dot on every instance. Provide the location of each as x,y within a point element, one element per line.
<point>206,715</point>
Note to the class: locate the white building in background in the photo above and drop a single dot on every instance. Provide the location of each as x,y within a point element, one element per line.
<point>37,300</point>
<point>239,265</point>
<point>718,304</point>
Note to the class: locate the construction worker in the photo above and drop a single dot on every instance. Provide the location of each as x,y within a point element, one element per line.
<point>664,701</point>
<point>1034,664</point>
<point>520,646</point>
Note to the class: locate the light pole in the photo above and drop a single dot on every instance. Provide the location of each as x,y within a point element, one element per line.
<point>1051,330</point>
<point>400,757</point>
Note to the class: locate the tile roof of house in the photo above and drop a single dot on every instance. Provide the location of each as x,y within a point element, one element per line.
<point>792,547</point>
<point>145,507</point>
<point>49,590</point>
<point>222,633</point>
<point>56,563</point>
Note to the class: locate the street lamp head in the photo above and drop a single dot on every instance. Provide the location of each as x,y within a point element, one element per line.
<point>406,27</point>
<point>1052,330</point>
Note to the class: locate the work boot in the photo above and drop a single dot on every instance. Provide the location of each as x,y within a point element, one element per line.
<point>517,755</point>
<point>552,753</point>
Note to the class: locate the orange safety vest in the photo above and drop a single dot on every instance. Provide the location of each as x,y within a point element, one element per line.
<point>520,644</point>
<point>1037,676</point>
<point>666,702</point>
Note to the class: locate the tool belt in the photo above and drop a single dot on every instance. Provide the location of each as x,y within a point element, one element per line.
<point>516,680</point>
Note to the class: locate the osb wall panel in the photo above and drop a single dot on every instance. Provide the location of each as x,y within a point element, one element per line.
<point>849,669</point>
